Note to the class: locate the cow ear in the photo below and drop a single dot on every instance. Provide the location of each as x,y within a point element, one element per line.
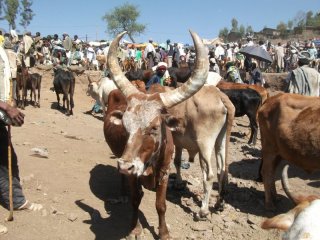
<point>172,122</point>
<point>116,117</point>
<point>282,221</point>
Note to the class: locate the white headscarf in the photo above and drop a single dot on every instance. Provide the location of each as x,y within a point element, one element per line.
<point>27,43</point>
<point>5,82</point>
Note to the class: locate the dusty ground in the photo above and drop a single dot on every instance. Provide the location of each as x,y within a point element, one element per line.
<point>78,182</point>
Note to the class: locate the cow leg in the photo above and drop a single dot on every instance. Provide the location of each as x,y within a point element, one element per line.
<point>136,196</point>
<point>71,104</point>
<point>34,97</point>
<point>66,98</point>
<point>39,97</point>
<point>31,96</point>
<point>58,99</point>
<point>205,152</point>
<point>19,98</point>
<point>221,151</point>
<point>206,168</point>
<point>192,155</point>
<point>25,93</point>
<point>270,161</point>
<point>178,184</point>
<point>123,190</point>
<point>254,130</point>
<point>161,204</point>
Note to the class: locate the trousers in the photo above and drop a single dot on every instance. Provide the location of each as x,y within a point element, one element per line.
<point>18,196</point>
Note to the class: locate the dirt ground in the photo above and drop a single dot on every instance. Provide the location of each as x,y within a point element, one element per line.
<point>78,183</point>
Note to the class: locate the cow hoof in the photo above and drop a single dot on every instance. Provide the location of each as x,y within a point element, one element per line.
<point>167,237</point>
<point>179,185</point>
<point>219,206</point>
<point>259,179</point>
<point>135,235</point>
<point>131,237</point>
<point>201,216</point>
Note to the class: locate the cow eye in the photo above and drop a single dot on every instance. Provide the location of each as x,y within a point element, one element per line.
<point>153,130</point>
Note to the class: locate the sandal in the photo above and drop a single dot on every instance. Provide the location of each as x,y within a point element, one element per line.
<point>3,229</point>
<point>30,206</point>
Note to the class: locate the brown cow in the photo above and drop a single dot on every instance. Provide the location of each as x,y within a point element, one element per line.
<point>115,134</point>
<point>25,82</point>
<point>290,129</point>
<point>147,154</point>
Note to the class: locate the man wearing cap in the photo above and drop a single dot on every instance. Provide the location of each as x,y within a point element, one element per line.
<point>304,80</point>
<point>161,77</point>
<point>213,67</point>
<point>219,52</point>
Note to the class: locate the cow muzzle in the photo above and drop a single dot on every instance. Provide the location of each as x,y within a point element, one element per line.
<point>135,167</point>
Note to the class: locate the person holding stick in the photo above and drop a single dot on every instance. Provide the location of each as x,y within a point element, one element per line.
<point>11,194</point>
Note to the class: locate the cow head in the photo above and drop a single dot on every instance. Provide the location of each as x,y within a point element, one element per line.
<point>92,87</point>
<point>143,119</point>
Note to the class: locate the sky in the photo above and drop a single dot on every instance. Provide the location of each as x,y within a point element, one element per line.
<point>164,19</point>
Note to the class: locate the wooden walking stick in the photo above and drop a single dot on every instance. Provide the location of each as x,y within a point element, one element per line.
<point>10,217</point>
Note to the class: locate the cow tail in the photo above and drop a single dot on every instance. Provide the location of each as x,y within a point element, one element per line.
<point>230,117</point>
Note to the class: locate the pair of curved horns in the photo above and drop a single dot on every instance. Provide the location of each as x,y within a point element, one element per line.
<point>174,97</point>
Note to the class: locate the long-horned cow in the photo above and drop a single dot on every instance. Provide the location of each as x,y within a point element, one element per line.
<point>148,152</point>
<point>149,148</point>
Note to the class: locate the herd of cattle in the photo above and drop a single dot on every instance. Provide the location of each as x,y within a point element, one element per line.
<point>144,129</point>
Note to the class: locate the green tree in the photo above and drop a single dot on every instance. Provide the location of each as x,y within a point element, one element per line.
<point>223,33</point>
<point>249,30</point>
<point>26,13</point>
<point>124,18</point>
<point>11,10</point>
<point>290,25</point>
<point>234,24</point>
<point>300,20</point>
<point>316,20</point>
<point>313,20</point>
<point>242,30</point>
<point>1,9</point>
<point>282,27</point>
<point>309,18</point>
